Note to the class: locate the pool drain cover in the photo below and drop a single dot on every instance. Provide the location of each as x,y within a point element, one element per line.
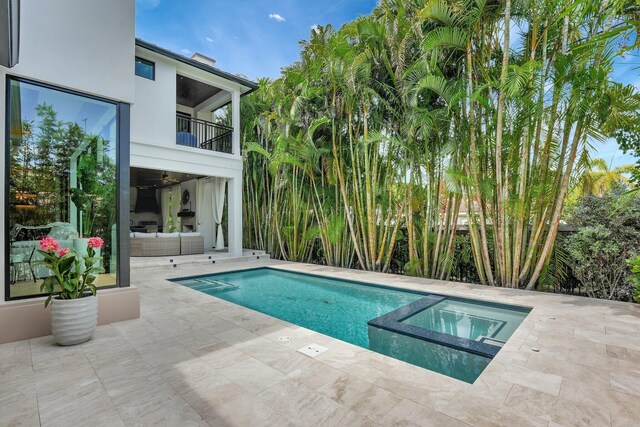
<point>312,350</point>
<point>284,338</point>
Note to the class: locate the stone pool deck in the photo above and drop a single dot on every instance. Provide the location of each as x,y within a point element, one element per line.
<point>192,359</point>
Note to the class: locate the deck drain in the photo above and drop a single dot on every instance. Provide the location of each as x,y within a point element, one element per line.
<point>312,350</point>
<point>284,338</point>
<point>535,349</point>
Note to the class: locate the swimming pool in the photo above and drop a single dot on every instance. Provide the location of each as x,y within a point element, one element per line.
<point>453,336</point>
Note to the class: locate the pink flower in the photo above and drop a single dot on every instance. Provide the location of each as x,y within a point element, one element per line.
<point>62,252</point>
<point>49,244</point>
<point>95,242</point>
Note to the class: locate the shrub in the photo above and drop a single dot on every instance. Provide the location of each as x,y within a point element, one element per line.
<point>634,279</point>
<point>607,238</point>
<point>599,262</point>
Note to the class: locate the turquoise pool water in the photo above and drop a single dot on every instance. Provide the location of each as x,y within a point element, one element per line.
<point>343,309</point>
<point>469,320</point>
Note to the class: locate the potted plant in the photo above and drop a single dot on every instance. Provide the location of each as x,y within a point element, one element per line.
<point>71,289</point>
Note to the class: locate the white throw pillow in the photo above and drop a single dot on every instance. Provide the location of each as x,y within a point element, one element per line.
<point>144,235</point>
<point>190,234</point>
<point>168,234</point>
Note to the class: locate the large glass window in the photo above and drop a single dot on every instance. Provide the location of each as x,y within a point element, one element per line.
<point>62,179</point>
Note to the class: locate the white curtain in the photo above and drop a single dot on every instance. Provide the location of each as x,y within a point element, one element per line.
<point>217,208</point>
<point>176,205</point>
<point>165,196</point>
<point>204,213</point>
<point>199,196</point>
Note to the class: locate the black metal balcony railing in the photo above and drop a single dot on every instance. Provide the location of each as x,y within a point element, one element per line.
<point>198,133</point>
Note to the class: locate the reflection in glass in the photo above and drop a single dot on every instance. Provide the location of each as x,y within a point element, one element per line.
<point>62,179</point>
<point>145,69</point>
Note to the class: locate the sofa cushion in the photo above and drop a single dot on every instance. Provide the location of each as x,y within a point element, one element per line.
<point>192,234</point>
<point>144,235</point>
<point>165,235</point>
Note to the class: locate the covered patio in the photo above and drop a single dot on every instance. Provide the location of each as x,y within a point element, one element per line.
<point>176,213</point>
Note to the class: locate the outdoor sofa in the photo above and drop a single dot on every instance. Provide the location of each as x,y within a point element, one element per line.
<point>164,244</point>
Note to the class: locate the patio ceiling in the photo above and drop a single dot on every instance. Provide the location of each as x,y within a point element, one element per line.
<point>154,178</point>
<point>192,93</point>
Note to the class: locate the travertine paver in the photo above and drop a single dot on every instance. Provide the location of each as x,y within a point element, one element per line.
<point>192,359</point>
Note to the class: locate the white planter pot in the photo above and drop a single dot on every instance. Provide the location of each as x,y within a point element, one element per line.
<point>73,321</point>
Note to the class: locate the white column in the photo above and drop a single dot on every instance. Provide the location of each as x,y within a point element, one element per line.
<point>235,121</point>
<point>235,215</point>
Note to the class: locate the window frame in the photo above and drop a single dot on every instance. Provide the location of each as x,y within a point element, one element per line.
<point>146,62</point>
<point>123,122</point>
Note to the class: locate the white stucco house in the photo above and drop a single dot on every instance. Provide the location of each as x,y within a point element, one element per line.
<point>108,135</point>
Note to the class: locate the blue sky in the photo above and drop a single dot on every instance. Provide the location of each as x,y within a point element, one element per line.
<point>627,70</point>
<point>252,37</point>
<point>258,37</point>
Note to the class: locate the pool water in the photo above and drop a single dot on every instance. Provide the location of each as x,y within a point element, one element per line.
<point>469,320</point>
<point>332,307</point>
<point>344,310</point>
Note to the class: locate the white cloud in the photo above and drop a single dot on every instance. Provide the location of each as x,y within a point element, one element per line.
<point>186,51</point>
<point>314,27</point>
<point>209,39</point>
<point>276,17</point>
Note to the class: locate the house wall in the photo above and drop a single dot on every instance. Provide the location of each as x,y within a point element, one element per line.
<point>153,115</point>
<point>153,134</point>
<point>83,45</point>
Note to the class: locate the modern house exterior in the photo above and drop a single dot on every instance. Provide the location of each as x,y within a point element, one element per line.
<point>111,136</point>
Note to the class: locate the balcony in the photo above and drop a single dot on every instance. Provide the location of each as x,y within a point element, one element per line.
<point>203,134</point>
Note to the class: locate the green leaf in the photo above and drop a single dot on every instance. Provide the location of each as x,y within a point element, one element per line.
<point>446,37</point>
<point>66,262</point>
<point>48,284</point>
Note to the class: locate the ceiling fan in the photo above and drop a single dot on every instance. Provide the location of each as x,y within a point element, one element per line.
<point>165,180</point>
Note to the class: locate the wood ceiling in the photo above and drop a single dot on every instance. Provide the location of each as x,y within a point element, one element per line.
<point>191,92</point>
<point>153,178</point>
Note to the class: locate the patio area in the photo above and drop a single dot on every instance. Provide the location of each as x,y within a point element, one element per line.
<point>192,359</point>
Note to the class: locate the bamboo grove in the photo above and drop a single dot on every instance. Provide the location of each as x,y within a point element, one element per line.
<point>427,117</point>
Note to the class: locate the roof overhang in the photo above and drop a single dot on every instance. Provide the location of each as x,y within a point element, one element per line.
<point>9,32</point>
<point>247,86</point>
